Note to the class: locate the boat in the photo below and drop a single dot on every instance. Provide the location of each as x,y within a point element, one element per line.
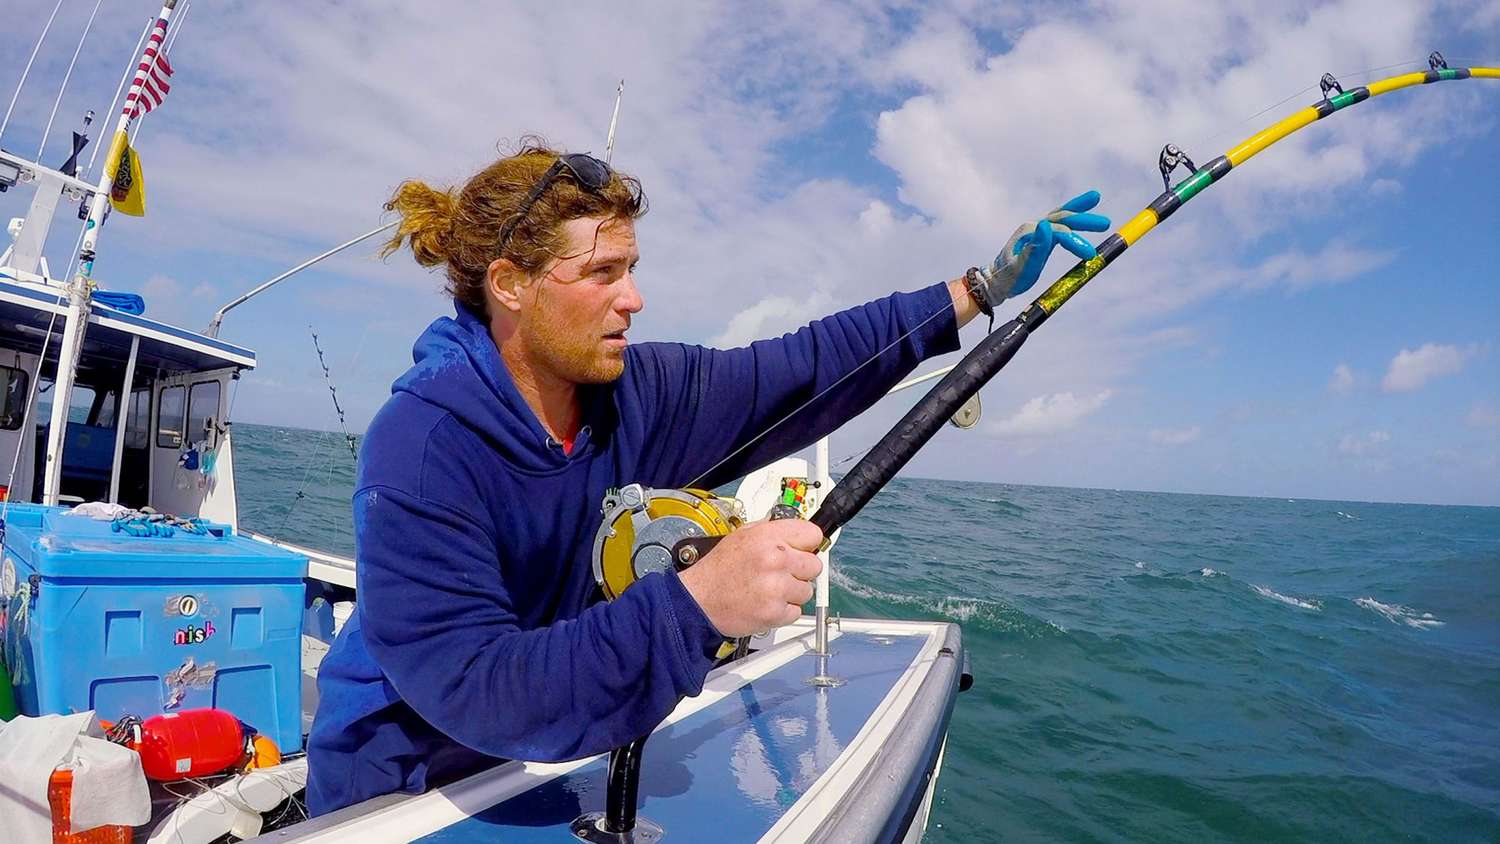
<point>826,729</point>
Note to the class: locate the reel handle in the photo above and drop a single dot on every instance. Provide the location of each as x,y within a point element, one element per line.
<point>691,550</point>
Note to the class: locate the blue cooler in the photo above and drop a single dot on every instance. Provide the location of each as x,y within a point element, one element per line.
<point>140,625</point>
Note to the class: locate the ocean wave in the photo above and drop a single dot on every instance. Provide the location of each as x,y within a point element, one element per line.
<point>1304,603</point>
<point>1346,515</point>
<point>1397,614</point>
<point>1208,572</point>
<point>1009,508</point>
<point>990,614</point>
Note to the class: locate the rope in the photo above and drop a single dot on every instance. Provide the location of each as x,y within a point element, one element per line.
<point>146,522</point>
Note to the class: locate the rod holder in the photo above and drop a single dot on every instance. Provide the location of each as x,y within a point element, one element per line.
<point>619,823</point>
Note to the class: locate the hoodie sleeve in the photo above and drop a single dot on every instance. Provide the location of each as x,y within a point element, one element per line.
<point>440,623</point>
<point>713,401</point>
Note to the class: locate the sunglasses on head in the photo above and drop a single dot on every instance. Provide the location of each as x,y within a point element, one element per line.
<point>590,173</point>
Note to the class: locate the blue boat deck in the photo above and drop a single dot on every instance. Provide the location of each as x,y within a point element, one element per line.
<point>757,750</point>
<point>742,760</point>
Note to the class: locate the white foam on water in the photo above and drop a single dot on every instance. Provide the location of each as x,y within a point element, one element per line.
<point>1208,572</point>
<point>1398,614</point>
<point>1304,603</point>
<point>1347,515</point>
<point>957,607</point>
<point>1139,564</point>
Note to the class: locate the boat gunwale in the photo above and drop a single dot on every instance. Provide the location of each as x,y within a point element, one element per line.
<point>883,802</point>
<point>410,816</point>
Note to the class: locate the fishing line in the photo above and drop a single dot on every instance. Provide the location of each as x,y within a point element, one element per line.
<point>333,391</point>
<point>1227,129</point>
<point>324,438</point>
<point>758,437</point>
<point>903,337</point>
<point>998,348</point>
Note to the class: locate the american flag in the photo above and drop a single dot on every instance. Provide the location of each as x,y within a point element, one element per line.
<point>151,77</point>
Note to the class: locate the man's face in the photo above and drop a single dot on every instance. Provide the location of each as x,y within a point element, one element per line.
<point>574,317</point>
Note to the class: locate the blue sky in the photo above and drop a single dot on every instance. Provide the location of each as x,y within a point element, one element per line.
<point>1322,324</point>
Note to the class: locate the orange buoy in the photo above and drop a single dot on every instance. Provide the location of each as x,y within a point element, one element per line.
<point>266,755</point>
<point>192,743</point>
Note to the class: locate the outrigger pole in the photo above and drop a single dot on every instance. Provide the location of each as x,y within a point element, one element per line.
<point>614,119</point>
<point>80,286</point>
<point>898,446</point>
<point>27,70</point>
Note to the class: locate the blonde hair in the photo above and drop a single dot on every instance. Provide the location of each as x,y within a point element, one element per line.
<point>460,228</point>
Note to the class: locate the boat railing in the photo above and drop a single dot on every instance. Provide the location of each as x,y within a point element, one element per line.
<point>321,565</point>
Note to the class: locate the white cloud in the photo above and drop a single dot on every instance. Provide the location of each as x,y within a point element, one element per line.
<point>770,317</point>
<point>1411,368</point>
<point>1337,262</point>
<point>286,132</point>
<point>1050,413</point>
<point>1342,380</point>
<point>1367,445</point>
<point>1385,187</point>
<point>1178,436</point>
<point>1483,415</point>
<point>177,302</point>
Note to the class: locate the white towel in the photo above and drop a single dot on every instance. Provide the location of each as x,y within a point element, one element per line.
<point>109,786</point>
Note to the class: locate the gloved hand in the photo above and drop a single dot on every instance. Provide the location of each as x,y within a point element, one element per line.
<point>1020,263</point>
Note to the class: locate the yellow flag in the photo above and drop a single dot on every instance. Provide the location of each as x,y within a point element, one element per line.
<point>128,194</point>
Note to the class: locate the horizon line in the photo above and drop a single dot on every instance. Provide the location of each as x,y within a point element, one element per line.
<point>1293,498</point>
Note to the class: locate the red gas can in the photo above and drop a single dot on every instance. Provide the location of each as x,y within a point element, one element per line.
<point>191,743</point>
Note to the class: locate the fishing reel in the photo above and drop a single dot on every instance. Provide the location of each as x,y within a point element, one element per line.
<point>647,530</point>
<point>643,527</point>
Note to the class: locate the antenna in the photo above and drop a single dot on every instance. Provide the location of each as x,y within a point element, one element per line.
<point>166,50</point>
<point>66,76</point>
<point>609,144</point>
<point>27,70</point>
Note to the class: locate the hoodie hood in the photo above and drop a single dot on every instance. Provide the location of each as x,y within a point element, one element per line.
<point>458,368</point>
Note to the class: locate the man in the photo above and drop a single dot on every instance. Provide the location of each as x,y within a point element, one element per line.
<point>479,634</point>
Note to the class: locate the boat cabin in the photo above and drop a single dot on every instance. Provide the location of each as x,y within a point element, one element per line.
<point>147,416</point>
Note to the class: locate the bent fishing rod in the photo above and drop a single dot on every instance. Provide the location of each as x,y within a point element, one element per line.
<point>897,447</point>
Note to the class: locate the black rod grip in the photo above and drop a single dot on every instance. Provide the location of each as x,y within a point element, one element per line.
<point>897,447</point>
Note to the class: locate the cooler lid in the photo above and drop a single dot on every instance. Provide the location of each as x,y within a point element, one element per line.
<point>63,545</point>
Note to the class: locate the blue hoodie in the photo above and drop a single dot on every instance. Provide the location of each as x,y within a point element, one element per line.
<point>480,634</point>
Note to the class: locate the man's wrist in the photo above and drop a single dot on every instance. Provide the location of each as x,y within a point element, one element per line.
<point>964,306</point>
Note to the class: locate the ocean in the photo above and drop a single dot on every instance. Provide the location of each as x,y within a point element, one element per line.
<point>1148,666</point>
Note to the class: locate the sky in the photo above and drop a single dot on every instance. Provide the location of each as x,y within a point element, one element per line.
<point>1322,324</point>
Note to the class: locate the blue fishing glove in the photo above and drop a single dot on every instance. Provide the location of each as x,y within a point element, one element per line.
<point>1020,263</point>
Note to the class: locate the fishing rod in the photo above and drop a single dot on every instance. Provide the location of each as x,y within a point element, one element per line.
<point>630,543</point>
<point>981,364</point>
<point>648,530</point>
<point>984,361</point>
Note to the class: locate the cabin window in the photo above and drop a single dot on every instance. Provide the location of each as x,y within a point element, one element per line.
<point>103,413</point>
<point>203,405</point>
<point>80,406</point>
<point>169,426</point>
<point>13,405</point>
<point>138,422</point>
